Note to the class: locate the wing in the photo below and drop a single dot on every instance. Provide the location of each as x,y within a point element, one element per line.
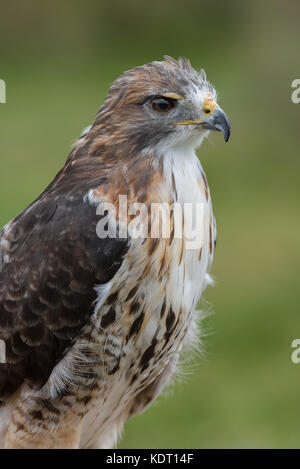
<point>51,260</point>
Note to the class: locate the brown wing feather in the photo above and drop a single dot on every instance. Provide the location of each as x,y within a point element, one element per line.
<point>51,261</point>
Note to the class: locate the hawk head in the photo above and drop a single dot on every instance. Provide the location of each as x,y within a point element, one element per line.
<point>160,105</point>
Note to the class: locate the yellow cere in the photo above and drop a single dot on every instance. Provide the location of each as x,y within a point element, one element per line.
<point>209,105</point>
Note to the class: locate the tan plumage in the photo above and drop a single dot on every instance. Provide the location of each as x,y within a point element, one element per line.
<point>94,327</point>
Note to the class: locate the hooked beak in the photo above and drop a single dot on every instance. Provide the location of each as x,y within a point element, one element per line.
<point>217,120</point>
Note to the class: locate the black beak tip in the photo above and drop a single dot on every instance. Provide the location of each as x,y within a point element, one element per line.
<point>227,135</point>
<point>225,125</point>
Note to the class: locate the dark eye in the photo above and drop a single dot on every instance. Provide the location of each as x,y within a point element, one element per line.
<point>162,104</point>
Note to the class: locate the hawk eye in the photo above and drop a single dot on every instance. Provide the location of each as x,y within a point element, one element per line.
<point>161,104</point>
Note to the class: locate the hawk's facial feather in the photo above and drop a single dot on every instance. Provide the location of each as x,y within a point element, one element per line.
<point>144,103</point>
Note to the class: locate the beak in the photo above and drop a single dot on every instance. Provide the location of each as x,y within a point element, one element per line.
<point>218,121</point>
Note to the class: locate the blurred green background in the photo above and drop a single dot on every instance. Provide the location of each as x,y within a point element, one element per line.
<point>58,59</point>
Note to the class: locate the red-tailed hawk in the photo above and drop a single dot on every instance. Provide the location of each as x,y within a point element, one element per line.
<point>93,326</point>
